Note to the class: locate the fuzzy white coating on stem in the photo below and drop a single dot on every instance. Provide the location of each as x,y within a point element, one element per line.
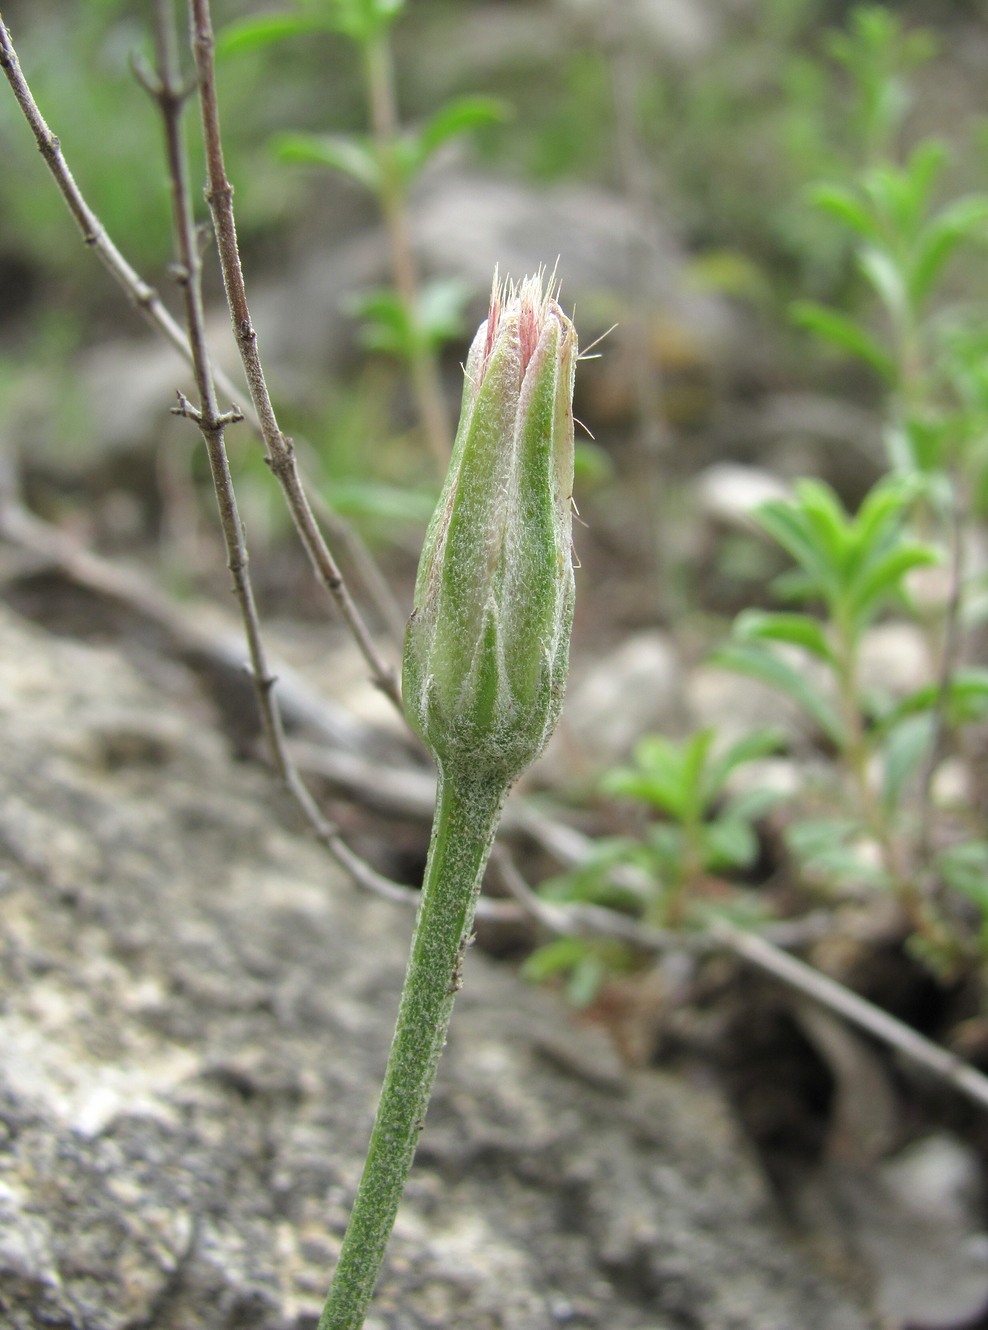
<point>486,656</point>
<point>487,646</point>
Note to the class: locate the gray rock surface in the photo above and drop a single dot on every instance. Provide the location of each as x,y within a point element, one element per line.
<point>194,1013</point>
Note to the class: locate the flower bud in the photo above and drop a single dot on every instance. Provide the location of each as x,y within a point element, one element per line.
<point>487,647</point>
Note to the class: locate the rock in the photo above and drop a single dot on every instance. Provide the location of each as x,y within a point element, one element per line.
<point>734,705</point>
<point>917,1222</point>
<point>894,661</point>
<point>727,494</point>
<point>634,690</point>
<point>195,1009</point>
<point>681,30</point>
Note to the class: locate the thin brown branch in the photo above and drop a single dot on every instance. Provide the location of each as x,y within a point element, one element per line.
<point>821,988</point>
<point>167,90</point>
<point>280,449</point>
<point>146,300</point>
<point>757,950</point>
<point>143,296</point>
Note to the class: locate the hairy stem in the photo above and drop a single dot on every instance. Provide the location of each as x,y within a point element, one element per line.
<point>468,807</point>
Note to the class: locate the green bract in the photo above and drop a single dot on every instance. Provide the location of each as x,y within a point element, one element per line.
<point>487,647</point>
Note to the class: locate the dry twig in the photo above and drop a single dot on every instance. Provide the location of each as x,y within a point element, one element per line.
<point>168,92</point>
<point>280,449</point>
<point>146,300</point>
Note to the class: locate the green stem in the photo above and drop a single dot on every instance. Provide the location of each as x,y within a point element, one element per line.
<point>422,360</point>
<point>468,807</point>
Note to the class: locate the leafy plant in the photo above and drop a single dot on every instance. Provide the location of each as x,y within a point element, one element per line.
<point>671,876</point>
<point>412,320</point>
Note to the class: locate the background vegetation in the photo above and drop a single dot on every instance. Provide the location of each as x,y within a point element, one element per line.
<point>782,205</point>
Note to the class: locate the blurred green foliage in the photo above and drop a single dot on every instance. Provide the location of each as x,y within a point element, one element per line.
<point>797,164</point>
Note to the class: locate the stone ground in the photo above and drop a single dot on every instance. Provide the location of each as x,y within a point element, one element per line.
<point>195,1013</point>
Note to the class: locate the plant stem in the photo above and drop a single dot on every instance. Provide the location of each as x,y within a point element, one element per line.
<point>422,361</point>
<point>468,807</point>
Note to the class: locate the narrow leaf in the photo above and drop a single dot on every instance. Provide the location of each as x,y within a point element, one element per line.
<point>749,748</point>
<point>798,629</point>
<point>458,117</point>
<point>888,280</point>
<point>846,206</point>
<point>252,34</point>
<point>845,334</point>
<point>787,524</point>
<point>903,752</point>
<point>963,218</point>
<point>352,155</point>
<point>729,843</point>
<point>757,662</point>
<point>883,577</point>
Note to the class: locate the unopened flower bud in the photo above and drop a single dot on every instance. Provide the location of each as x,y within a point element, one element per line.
<point>487,648</point>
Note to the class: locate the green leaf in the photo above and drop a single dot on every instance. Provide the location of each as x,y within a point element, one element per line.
<point>353,155</point>
<point>846,206</point>
<point>261,30</point>
<point>827,521</point>
<point>360,19</point>
<point>940,239</point>
<point>394,503</point>
<point>794,585</point>
<point>729,843</point>
<point>363,20</point>
<point>585,979</point>
<point>555,957</point>
<point>749,748</point>
<point>752,805</point>
<point>904,750</point>
<point>967,699</point>
<point>797,629</point>
<point>845,334</point>
<point>902,194</point>
<point>830,848</point>
<point>882,509</point>
<point>666,775</point>
<point>788,524</point>
<point>387,328</point>
<point>811,836</point>
<point>758,662</point>
<point>882,577</point>
<point>591,880</point>
<point>442,303</point>
<point>459,116</point>
<point>665,846</point>
<point>964,868</point>
<point>888,281</point>
<point>968,696</point>
<point>695,751</point>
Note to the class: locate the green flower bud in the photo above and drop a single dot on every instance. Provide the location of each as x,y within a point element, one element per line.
<point>487,647</point>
